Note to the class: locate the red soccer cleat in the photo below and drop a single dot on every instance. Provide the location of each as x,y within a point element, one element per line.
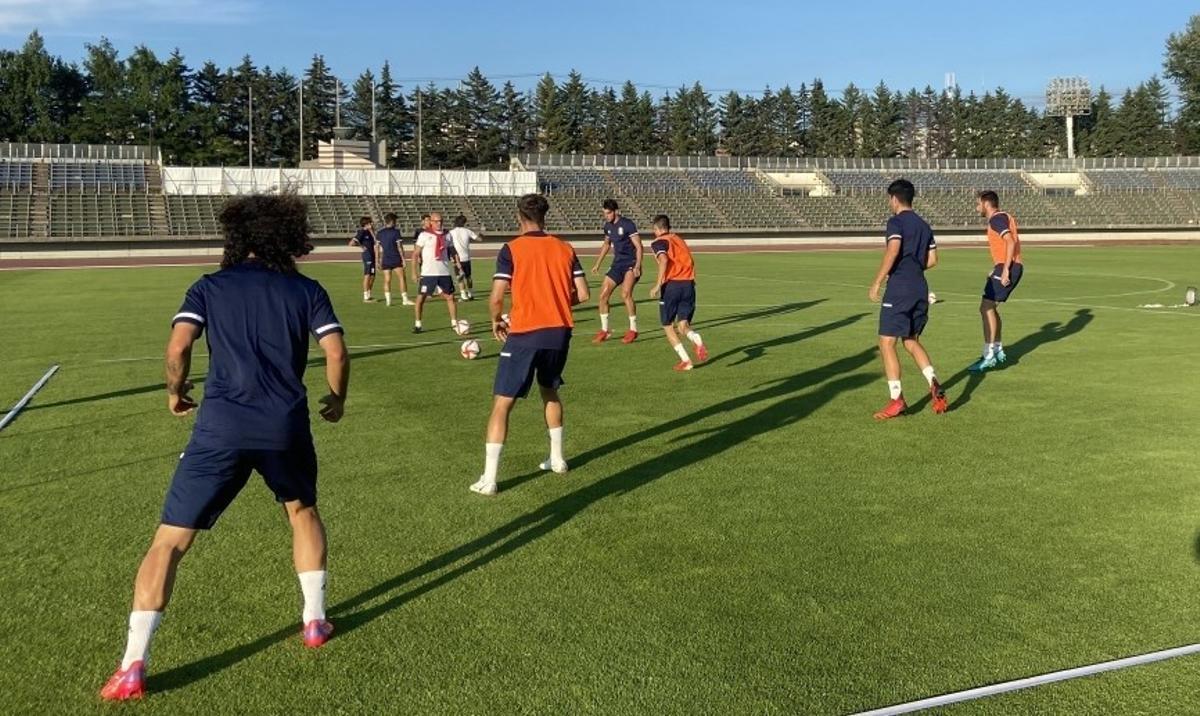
<point>126,684</point>
<point>894,409</point>
<point>317,632</point>
<point>629,337</point>
<point>601,336</point>
<point>683,365</point>
<point>701,353</point>
<point>938,403</point>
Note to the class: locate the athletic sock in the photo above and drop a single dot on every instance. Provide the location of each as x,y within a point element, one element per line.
<point>987,350</point>
<point>366,295</point>
<point>556,446</point>
<point>312,584</point>
<point>417,324</point>
<point>927,371</point>
<point>387,297</point>
<point>633,323</point>
<point>604,322</point>
<point>683,354</point>
<point>141,631</point>
<point>491,464</point>
<point>694,337</point>
<point>894,389</point>
<point>997,347</point>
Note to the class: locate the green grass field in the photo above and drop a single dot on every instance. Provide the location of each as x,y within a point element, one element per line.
<point>740,539</point>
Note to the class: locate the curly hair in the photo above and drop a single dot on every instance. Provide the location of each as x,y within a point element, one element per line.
<point>271,228</point>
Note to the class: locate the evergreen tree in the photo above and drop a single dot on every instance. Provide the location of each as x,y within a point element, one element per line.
<point>1183,66</point>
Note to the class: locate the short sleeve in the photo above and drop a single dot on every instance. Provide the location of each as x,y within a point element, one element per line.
<point>322,320</point>
<point>420,240</point>
<point>894,230</point>
<point>932,240</point>
<point>576,267</point>
<point>660,246</point>
<point>504,264</point>
<point>194,309</point>
<point>630,228</point>
<point>472,236</point>
<point>999,223</point>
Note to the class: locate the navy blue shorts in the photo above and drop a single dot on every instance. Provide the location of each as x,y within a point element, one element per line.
<point>519,365</point>
<point>993,290</point>
<point>903,316</point>
<point>430,285</point>
<point>391,263</point>
<point>678,302</point>
<point>207,479</point>
<point>618,270</point>
<point>466,269</point>
<point>368,266</point>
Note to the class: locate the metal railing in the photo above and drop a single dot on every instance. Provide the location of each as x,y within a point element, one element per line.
<point>655,161</point>
<point>80,152</point>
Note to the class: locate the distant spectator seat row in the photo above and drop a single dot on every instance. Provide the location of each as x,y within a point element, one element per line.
<point>927,180</point>
<point>87,177</point>
<point>16,177</point>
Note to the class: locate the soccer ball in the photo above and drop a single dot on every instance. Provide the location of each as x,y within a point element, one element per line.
<point>463,327</point>
<point>470,349</point>
<point>932,297</point>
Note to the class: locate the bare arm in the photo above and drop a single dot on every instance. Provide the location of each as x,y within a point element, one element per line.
<point>582,291</point>
<point>603,252</point>
<point>337,373</point>
<point>496,307</point>
<point>889,259</point>
<point>1010,248</point>
<point>931,259</point>
<point>661,260</point>
<point>416,262</point>
<point>638,251</point>
<point>179,364</point>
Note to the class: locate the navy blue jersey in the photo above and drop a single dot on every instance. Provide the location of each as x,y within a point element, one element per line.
<point>390,244</point>
<point>620,234</point>
<point>257,323</point>
<point>367,240</point>
<point>907,275</point>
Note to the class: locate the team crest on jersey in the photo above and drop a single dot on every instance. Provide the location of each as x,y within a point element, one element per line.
<point>621,230</point>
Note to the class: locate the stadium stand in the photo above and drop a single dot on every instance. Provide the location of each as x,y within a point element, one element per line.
<point>1121,180</point>
<point>1187,179</point>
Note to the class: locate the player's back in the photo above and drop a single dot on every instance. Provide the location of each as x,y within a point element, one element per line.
<point>541,269</point>
<point>462,238</point>
<point>257,323</point>
<point>680,264</point>
<point>389,241</point>
<point>916,240</point>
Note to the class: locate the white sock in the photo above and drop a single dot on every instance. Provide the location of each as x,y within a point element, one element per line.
<point>417,324</point>
<point>998,347</point>
<point>387,297</point>
<point>491,464</point>
<point>604,321</point>
<point>694,337</point>
<point>894,389</point>
<point>927,371</point>
<point>141,631</point>
<point>633,323</point>
<point>682,352</point>
<point>405,295</point>
<point>312,584</point>
<point>987,350</point>
<point>556,446</point>
<point>366,295</point>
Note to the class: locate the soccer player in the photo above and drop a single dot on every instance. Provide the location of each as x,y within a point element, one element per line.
<point>677,285</point>
<point>424,227</point>
<point>432,256</point>
<point>462,237</point>
<point>545,279</point>
<point>365,238</point>
<point>391,251</point>
<point>1005,246</point>
<point>621,237</point>
<point>259,312</point>
<point>910,251</point>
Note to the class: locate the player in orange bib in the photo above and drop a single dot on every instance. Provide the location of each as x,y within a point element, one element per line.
<point>1004,243</point>
<point>677,286</point>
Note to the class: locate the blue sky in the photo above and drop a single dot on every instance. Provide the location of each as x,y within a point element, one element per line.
<point>741,45</point>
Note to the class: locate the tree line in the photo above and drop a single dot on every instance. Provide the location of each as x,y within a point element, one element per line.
<point>202,116</point>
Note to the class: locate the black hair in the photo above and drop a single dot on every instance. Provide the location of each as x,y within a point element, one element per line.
<point>364,221</point>
<point>990,197</point>
<point>460,220</point>
<point>610,205</point>
<point>533,207</point>
<point>424,216</point>
<point>662,221</point>
<point>390,218</point>
<point>903,190</point>
<point>274,228</point>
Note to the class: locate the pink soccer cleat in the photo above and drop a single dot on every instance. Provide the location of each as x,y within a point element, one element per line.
<point>701,353</point>
<point>126,684</point>
<point>317,632</point>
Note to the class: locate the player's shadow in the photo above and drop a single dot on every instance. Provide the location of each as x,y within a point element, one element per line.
<point>795,398</point>
<point>758,313</point>
<point>753,351</point>
<point>1048,333</point>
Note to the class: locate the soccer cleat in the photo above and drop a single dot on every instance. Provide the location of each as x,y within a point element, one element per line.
<point>629,337</point>
<point>701,353</point>
<point>601,336</point>
<point>559,468</point>
<point>317,632</point>
<point>369,299</point>
<point>938,398</point>
<point>406,301</point>
<point>683,365</point>
<point>1000,357</point>
<point>894,409</point>
<point>126,684</point>
<point>418,329</point>
<point>485,487</point>
<point>983,364</point>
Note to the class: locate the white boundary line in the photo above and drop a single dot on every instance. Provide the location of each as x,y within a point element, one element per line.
<point>12,414</point>
<point>1029,682</point>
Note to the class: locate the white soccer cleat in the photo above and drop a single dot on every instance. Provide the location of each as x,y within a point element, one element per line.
<point>558,468</point>
<point>485,487</point>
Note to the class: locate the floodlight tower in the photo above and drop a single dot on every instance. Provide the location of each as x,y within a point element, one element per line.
<point>1069,97</point>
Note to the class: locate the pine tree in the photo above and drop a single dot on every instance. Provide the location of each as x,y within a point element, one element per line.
<point>360,110</point>
<point>514,121</point>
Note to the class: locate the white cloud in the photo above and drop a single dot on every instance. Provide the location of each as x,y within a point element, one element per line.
<point>78,16</point>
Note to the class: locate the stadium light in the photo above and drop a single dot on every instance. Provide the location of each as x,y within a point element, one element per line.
<point>1069,97</point>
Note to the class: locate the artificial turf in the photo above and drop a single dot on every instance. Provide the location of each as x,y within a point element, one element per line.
<point>741,538</point>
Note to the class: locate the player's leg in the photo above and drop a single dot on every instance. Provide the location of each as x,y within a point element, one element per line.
<point>627,284</point>
<point>514,378</point>
<point>469,279</point>
<point>912,344</point>
<point>553,407</point>
<point>368,279</point>
<point>387,286</point>
<point>309,551</point>
<point>686,311</point>
<point>402,275</point>
<point>602,302</point>
<point>448,294</point>
<point>419,307</point>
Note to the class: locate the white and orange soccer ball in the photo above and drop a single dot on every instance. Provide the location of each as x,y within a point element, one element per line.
<point>470,349</point>
<point>463,327</point>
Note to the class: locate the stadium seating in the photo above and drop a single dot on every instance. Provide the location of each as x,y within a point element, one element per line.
<point>16,177</point>
<point>194,215</point>
<point>97,177</point>
<point>101,215</point>
<point>1188,179</point>
<point>15,219</point>
<point>1121,180</point>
